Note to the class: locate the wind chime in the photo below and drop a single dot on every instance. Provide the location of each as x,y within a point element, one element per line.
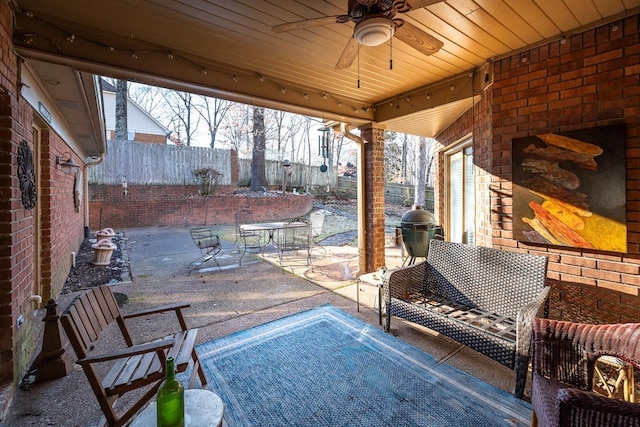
<point>323,147</point>
<point>323,150</point>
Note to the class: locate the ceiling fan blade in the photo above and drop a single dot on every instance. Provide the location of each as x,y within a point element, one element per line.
<point>307,23</point>
<point>348,54</point>
<point>417,39</point>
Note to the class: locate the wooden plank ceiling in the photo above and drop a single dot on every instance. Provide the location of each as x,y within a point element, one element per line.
<point>228,49</point>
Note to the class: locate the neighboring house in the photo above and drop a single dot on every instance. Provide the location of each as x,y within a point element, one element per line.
<point>140,125</point>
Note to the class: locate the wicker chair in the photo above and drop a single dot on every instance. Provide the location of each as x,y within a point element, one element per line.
<point>481,297</point>
<point>564,360</point>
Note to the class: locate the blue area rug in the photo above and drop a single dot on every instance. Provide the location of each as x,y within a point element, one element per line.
<point>323,367</point>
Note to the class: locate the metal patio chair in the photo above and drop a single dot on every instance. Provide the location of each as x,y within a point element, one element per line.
<point>250,239</point>
<point>317,224</point>
<point>209,245</point>
<point>295,236</point>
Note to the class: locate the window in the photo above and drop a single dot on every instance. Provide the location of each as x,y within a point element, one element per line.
<point>460,204</point>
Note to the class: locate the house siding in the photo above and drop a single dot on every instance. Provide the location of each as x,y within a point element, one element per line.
<point>138,122</point>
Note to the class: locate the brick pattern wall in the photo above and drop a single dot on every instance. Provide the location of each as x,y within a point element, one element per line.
<point>62,225</point>
<point>16,235</point>
<point>143,137</point>
<point>590,79</point>
<point>373,199</point>
<point>166,205</point>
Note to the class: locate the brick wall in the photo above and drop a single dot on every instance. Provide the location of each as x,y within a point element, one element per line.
<point>143,137</point>
<point>589,79</point>
<point>61,222</point>
<point>151,205</point>
<point>16,223</point>
<point>373,199</point>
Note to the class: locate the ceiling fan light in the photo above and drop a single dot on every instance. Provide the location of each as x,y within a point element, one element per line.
<point>373,31</point>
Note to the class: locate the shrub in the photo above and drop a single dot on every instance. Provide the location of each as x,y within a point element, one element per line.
<point>209,180</point>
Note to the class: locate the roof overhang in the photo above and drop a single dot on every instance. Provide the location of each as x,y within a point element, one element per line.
<point>70,102</point>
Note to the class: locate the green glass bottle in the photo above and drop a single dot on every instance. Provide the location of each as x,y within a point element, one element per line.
<point>170,401</point>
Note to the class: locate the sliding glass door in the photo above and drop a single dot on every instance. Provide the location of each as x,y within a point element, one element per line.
<point>460,213</point>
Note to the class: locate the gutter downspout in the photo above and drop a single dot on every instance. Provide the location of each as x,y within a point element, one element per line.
<point>361,193</point>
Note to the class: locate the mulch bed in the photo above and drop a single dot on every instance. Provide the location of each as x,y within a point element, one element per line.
<point>86,275</point>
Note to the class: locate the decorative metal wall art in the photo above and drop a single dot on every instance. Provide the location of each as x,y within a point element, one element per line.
<point>27,176</point>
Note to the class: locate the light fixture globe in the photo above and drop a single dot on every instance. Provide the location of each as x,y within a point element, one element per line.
<point>374,31</point>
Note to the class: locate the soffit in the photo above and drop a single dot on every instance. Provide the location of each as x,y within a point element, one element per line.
<point>227,49</point>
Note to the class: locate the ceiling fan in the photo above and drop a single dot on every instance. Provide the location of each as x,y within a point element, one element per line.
<point>376,22</point>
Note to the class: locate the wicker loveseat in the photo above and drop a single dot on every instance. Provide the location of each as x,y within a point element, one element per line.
<point>481,297</point>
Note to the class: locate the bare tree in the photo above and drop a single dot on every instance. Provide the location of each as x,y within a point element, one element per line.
<point>213,111</point>
<point>122,131</point>
<point>281,132</point>
<point>258,175</point>
<point>236,128</point>
<point>295,136</point>
<point>392,154</point>
<point>405,147</point>
<point>149,98</point>
<point>182,121</point>
<point>422,172</point>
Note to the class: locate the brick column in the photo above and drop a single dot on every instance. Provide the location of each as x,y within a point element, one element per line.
<point>371,200</point>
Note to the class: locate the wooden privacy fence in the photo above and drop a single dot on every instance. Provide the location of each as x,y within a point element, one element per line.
<point>398,194</point>
<point>161,164</point>
<point>158,164</point>
<point>140,163</point>
<point>301,175</point>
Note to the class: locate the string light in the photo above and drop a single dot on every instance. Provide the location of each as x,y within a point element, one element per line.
<point>30,39</point>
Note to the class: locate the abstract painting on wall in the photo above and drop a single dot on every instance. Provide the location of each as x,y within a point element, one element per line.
<point>569,189</point>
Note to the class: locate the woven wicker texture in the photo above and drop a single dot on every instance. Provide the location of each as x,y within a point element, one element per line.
<point>324,367</point>
<point>564,355</point>
<point>481,297</point>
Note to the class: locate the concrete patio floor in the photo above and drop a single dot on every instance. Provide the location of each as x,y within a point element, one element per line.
<point>223,302</point>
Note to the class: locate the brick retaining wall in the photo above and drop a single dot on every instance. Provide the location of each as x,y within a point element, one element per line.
<point>149,205</point>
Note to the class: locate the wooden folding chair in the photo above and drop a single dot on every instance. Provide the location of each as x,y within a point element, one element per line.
<point>132,367</point>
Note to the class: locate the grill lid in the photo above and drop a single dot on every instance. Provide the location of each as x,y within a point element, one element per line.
<point>417,215</point>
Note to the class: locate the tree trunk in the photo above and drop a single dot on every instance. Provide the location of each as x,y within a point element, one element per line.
<point>258,175</point>
<point>122,133</point>
<point>405,148</point>
<point>422,172</point>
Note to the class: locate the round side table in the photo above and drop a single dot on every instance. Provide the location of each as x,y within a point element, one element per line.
<point>202,408</point>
